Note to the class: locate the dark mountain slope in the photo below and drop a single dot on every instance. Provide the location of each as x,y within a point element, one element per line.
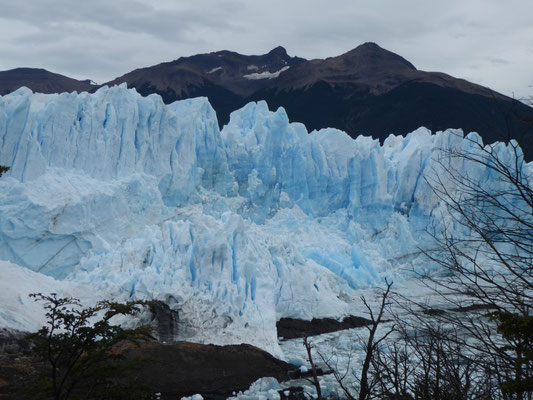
<point>231,71</point>
<point>404,109</point>
<point>372,70</point>
<point>40,80</point>
<point>374,92</point>
<point>368,90</point>
<point>225,77</point>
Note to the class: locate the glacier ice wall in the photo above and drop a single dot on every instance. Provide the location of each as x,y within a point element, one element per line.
<point>135,198</point>
<point>112,134</point>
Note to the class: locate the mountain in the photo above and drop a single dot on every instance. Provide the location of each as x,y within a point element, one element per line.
<point>40,80</point>
<point>239,74</point>
<point>228,79</point>
<point>115,195</point>
<point>368,90</point>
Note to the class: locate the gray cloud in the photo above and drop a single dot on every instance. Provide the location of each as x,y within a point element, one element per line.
<point>486,41</point>
<point>126,16</point>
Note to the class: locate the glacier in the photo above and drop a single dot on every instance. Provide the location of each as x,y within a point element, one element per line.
<point>115,195</point>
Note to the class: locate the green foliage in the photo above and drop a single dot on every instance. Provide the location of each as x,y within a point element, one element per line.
<point>80,347</point>
<point>517,331</point>
<point>3,169</point>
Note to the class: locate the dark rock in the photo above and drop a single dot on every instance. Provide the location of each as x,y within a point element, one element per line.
<point>14,342</point>
<point>18,370</point>
<point>292,393</point>
<point>463,309</point>
<point>165,321</point>
<point>12,348</point>
<point>18,375</point>
<point>297,374</point>
<point>474,307</point>
<point>290,328</point>
<point>174,370</point>
<point>215,372</point>
<point>434,311</point>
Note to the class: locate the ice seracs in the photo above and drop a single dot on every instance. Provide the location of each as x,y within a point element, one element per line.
<point>137,199</point>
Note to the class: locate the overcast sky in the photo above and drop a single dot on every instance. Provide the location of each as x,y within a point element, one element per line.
<point>489,42</point>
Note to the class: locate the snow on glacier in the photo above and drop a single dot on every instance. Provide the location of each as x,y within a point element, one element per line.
<point>133,198</point>
<point>18,310</point>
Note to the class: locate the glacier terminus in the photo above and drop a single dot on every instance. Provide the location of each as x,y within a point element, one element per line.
<point>115,195</point>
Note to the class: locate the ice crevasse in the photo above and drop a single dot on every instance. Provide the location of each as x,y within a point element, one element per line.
<point>130,198</point>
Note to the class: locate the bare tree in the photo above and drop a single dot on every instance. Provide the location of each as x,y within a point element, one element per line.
<point>366,385</point>
<point>308,346</point>
<point>426,361</point>
<point>479,345</point>
<point>394,371</point>
<point>371,345</point>
<point>486,249</point>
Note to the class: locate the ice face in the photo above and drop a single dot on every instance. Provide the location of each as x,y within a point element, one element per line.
<point>135,198</point>
<point>115,133</point>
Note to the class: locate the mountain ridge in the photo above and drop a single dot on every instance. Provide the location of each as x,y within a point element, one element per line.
<point>367,90</point>
<point>40,80</point>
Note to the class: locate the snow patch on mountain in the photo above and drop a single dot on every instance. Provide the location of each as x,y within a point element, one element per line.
<point>213,70</point>
<point>265,74</point>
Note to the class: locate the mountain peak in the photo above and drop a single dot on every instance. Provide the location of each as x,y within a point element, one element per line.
<point>369,45</point>
<point>278,51</point>
<point>373,55</point>
<point>27,70</point>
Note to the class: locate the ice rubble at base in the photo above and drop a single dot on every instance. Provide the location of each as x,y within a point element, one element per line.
<point>261,389</point>
<point>130,197</point>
